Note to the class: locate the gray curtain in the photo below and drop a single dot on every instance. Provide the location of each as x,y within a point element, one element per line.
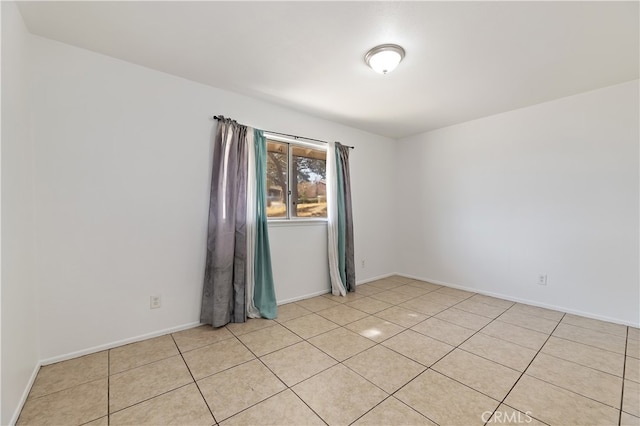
<point>223,296</point>
<point>342,153</point>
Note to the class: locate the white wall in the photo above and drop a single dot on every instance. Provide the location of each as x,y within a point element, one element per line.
<point>551,188</point>
<point>19,316</point>
<point>123,158</point>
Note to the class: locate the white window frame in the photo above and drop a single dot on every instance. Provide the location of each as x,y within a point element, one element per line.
<point>289,219</point>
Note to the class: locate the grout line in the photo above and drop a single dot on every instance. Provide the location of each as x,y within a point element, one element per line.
<point>624,368</point>
<point>600,331</point>
<point>150,398</point>
<point>194,380</point>
<point>591,346</point>
<point>528,365</point>
<point>108,387</point>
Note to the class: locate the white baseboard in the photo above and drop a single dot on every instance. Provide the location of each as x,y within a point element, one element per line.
<point>117,343</point>
<point>525,301</point>
<point>379,277</point>
<point>25,394</point>
<point>306,296</point>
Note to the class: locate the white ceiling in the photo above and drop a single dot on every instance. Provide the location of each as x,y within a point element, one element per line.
<point>464,60</point>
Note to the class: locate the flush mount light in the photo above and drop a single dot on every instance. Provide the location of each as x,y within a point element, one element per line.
<point>384,58</point>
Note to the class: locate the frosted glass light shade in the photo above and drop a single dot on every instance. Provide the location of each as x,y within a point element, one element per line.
<point>384,58</point>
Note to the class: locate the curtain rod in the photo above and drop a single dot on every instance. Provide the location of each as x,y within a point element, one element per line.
<point>217,117</point>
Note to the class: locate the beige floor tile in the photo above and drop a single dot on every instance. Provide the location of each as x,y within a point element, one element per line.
<point>444,331</point>
<point>418,347</point>
<point>291,311</point>
<point>318,303</point>
<point>589,356</point>
<point>251,324</point>
<point>515,334</point>
<point>627,419</point>
<point>479,308</point>
<point>141,383</point>
<point>341,343</point>
<point>76,405</point>
<point>631,398</point>
<point>392,296</point>
<point>342,314</point>
<point>412,290</point>
<point>435,297</point>
<point>339,395</point>
<point>557,406</point>
<point>633,333</point>
<point>271,339</point>
<point>401,316</point>
<point>367,289</point>
<point>506,415</point>
<point>493,301</point>
<point>531,322</point>
<point>633,348</point>
<point>576,378</point>
<point>284,408</point>
<point>374,328</point>
<point>136,354</point>
<point>591,337</point>
<point>500,351</point>
<point>369,305</point>
<point>462,294</point>
<point>463,319</point>
<point>66,374</point>
<point>298,362</point>
<point>632,369</point>
<point>183,406</point>
<point>594,324</point>
<point>385,368</point>
<point>197,337</point>
<point>310,325</point>
<point>538,312</point>
<point>102,421</point>
<point>349,297</point>
<point>485,376</point>
<point>231,391</point>
<point>211,359</point>
<point>424,285</point>
<point>400,279</point>
<point>385,284</point>
<point>393,412</point>
<point>446,401</point>
<point>423,306</point>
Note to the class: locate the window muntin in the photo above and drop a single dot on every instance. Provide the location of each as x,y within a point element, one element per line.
<point>296,180</point>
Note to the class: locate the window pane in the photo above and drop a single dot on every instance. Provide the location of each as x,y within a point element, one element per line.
<point>276,179</point>
<point>310,192</point>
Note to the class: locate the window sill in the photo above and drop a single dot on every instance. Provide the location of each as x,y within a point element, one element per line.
<point>297,222</point>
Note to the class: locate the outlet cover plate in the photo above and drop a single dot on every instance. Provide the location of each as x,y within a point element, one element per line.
<point>154,302</point>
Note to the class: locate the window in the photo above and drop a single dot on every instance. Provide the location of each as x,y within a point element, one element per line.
<point>296,180</point>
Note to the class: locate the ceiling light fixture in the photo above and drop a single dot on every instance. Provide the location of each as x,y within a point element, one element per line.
<point>384,58</point>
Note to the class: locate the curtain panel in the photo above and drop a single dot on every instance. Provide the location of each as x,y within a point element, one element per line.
<point>238,264</point>
<point>340,221</point>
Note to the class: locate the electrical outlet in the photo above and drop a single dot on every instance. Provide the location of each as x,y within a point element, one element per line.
<point>154,302</point>
<point>542,279</point>
<point>362,263</point>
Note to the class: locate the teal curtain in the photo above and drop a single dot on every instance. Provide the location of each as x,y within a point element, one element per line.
<point>264,296</point>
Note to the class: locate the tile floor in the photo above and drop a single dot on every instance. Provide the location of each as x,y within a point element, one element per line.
<point>396,352</point>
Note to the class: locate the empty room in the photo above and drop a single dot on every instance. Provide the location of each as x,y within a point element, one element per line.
<point>320,213</point>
